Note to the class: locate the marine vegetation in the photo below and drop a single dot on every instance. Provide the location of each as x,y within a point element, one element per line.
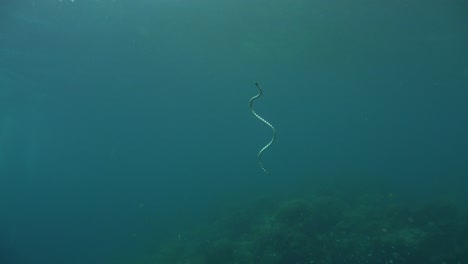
<point>325,229</point>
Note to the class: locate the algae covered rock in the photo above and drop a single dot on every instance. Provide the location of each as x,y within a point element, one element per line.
<point>329,230</point>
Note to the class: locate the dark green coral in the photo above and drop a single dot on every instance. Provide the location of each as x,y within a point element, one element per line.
<point>327,229</point>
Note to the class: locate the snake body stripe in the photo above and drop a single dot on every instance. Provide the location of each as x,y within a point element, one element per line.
<point>264,121</point>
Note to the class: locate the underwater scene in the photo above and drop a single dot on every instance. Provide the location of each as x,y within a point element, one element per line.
<point>233,132</point>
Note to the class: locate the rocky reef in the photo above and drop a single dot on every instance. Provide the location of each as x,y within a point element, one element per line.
<point>325,229</point>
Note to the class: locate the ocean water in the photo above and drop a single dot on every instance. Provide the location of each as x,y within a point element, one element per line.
<point>125,124</point>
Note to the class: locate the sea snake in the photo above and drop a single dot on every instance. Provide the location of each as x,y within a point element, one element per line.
<point>264,121</point>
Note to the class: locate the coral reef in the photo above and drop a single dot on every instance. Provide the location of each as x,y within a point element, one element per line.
<point>326,229</point>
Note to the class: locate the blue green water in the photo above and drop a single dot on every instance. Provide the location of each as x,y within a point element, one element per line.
<point>125,123</point>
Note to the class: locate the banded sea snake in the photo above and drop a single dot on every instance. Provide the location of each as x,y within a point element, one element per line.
<point>264,121</point>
